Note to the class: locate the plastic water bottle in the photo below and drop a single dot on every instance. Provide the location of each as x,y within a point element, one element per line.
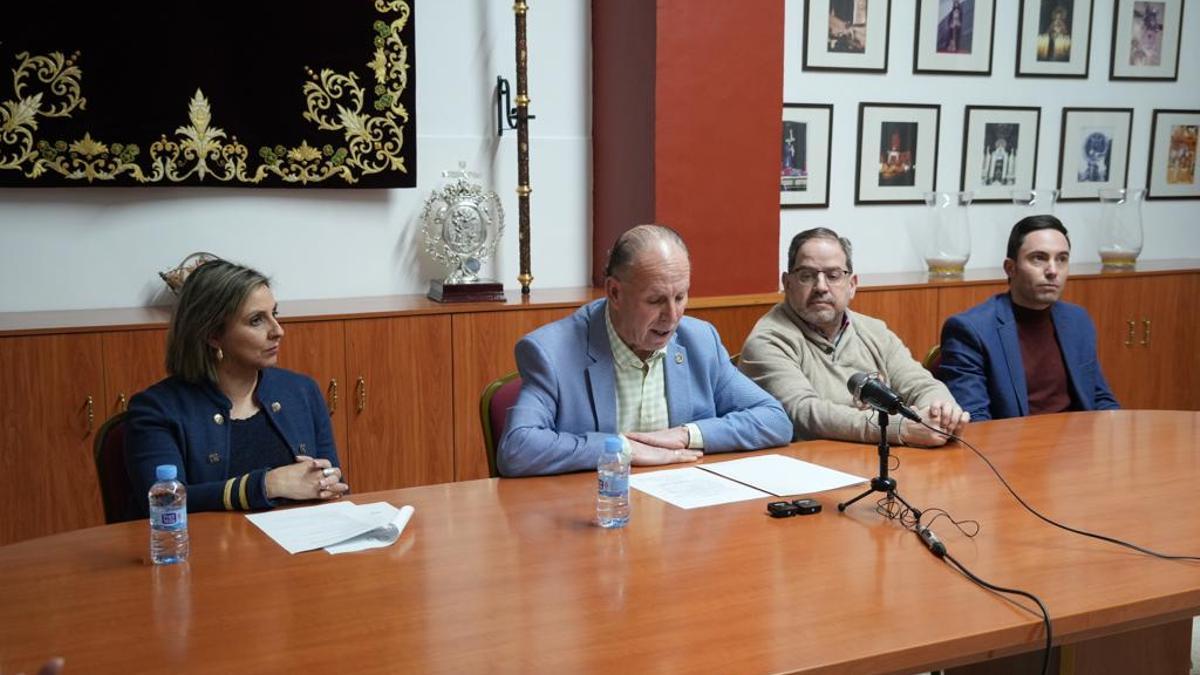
<point>168,518</point>
<point>612,498</point>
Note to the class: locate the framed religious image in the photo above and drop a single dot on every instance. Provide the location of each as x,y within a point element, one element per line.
<point>1172,172</point>
<point>846,35</point>
<point>1054,38</point>
<point>999,155</point>
<point>1145,43</point>
<point>1094,151</point>
<point>804,146</point>
<point>954,37</point>
<point>897,152</point>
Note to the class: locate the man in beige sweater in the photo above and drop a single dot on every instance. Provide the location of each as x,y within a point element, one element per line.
<point>805,349</point>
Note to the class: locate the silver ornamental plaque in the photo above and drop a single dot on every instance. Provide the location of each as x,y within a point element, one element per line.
<point>462,223</point>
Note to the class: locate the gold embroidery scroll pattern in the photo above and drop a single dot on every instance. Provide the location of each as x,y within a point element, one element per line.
<point>373,141</point>
<point>336,101</point>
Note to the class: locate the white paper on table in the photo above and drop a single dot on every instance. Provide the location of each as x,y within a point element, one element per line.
<point>313,527</point>
<point>781,475</point>
<point>691,488</point>
<point>397,520</point>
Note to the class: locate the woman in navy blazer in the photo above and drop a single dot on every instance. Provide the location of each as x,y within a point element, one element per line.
<point>241,433</point>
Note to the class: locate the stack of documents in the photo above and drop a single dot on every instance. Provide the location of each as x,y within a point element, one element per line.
<point>740,480</point>
<point>338,527</point>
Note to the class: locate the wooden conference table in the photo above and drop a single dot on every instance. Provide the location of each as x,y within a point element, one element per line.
<point>510,575</point>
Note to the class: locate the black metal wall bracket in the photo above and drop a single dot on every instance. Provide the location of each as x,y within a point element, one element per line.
<point>506,115</point>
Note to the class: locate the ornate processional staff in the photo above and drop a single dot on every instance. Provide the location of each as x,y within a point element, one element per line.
<point>523,189</point>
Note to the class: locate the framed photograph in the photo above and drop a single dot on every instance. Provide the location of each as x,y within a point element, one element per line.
<point>999,155</point>
<point>1054,38</point>
<point>804,171</point>
<point>1145,43</point>
<point>897,152</point>
<point>1172,171</point>
<point>954,37</point>
<point>846,35</point>
<point>1094,151</point>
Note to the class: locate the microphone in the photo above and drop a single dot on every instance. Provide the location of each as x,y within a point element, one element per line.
<point>867,388</point>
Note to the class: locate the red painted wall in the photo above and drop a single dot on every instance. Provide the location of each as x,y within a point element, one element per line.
<point>717,76</point>
<point>623,76</point>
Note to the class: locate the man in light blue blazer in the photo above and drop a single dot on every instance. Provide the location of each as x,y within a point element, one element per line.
<point>631,363</point>
<point>1026,352</point>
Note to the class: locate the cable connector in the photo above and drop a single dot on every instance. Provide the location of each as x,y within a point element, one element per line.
<point>932,542</point>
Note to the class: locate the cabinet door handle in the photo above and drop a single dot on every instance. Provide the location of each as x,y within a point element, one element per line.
<point>122,404</point>
<point>91,413</point>
<point>1129,336</point>
<point>1145,332</point>
<point>333,395</point>
<point>361,388</point>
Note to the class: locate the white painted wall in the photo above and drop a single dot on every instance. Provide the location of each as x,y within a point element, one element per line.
<point>891,238</point>
<point>101,247</point>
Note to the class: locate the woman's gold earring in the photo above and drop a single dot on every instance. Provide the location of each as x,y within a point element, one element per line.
<point>220,354</point>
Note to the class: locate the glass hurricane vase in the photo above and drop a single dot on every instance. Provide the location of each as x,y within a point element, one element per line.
<point>1120,236</point>
<point>949,244</point>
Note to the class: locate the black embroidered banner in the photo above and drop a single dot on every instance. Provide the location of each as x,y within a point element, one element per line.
<point>216,93</point>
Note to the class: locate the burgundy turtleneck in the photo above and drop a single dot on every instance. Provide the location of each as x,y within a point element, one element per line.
<point>1045,373</point>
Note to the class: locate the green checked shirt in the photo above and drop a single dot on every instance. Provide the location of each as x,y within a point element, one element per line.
<point>641,389</point>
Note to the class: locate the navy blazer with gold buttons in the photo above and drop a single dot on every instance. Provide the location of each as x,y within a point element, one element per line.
<point>187,424</point>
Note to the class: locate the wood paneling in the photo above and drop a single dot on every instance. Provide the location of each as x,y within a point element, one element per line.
<point>1156,649</point>
<point>425,364</point>
<point>1145,336</point>
<point>401,408</point>
<point>133,360</point>
<point>955,299</point>
<point>733,323</point>
<point>483,351</point>
<point>47,475</point>
<point>909,314</point>
<point>318,349</point>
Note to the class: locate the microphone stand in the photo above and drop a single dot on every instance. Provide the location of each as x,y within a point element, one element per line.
<point>883,482</point>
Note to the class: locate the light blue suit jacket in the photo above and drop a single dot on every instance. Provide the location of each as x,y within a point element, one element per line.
<point>568,399</point>
<point>982,367</point>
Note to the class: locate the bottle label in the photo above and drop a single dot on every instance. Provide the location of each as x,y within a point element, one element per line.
<point>614,484</point>
<point>170,519</point>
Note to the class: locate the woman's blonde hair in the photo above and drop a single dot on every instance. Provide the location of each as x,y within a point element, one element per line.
<point>212,295</point>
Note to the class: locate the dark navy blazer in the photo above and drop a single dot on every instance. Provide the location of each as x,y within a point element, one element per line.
<point>981,359</point>
<point>185,424</point>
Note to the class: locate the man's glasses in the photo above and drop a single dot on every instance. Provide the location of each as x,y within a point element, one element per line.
<point>808,276</point>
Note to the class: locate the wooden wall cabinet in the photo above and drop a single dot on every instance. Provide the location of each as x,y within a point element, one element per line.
<point>318,349</point>
<point>1146,337</point>
<point>483,351</point>
<point>133,360</point>
<point>402,376</point>
<point>387,385</point>
<point>401,412</point>
<point>51,394</point>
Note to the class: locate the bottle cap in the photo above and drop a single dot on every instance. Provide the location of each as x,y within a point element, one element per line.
<point>612,444</point>
<point>165,472</point>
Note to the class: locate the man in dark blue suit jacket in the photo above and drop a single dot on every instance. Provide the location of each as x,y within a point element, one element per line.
<point>1025,352</point>
<point>633,364</point>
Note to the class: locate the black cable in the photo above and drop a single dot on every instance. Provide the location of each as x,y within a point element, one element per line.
<point>943,513</point>
<point>1011,591</point>
<point>910,518</point>
<point>1051,521</point>
<point>938,549</point>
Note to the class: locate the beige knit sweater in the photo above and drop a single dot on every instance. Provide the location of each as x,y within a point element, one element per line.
<point>808,374</point>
